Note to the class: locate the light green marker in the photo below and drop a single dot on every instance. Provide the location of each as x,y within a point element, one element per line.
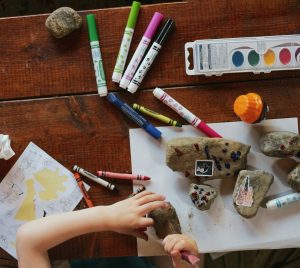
<point>96,55</point>
<point>126,41</point>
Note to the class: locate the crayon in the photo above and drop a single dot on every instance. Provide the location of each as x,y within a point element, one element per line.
<point>140,189</point>
<point>185,113</point>
<point>141,49</point>
<point>134,116</point>
<point>156,115</point>
<point>126,41</point>
<point>96,55</point>
<point>283,200</point>
<point>85,194</point>
<point>151,56</point>
<point>125,176</point>
<point>94,178</point>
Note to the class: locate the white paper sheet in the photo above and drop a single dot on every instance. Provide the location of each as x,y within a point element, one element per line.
<point>221,228</point>
<point>36,186</point>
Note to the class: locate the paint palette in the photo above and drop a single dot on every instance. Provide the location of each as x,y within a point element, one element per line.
<point>235,55</point>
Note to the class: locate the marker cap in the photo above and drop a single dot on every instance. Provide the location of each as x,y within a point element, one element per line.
<point>152,130</point>
<point>166,29</point>
<point>158,92</point>
<point>92,28</point>
<point>133,15</point>
<point>152,27</point>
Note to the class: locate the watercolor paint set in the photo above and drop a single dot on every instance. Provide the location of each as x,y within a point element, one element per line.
<point>235,55</point>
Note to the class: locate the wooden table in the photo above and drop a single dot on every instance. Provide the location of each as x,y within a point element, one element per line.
<point>48,90</point>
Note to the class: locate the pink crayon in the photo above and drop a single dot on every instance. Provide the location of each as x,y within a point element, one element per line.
<point>185,113</point>
<point>124,176</point>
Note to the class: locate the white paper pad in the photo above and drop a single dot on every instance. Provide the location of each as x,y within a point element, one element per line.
<point>221,228</point>
<point>36,186</point>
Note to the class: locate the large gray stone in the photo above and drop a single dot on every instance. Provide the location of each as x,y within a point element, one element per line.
<point>228,156</point>
<point>63,21</point>
<point>294,178</point>
<point>250,190</point>
<point>280,144</point>
<point>202,195</point>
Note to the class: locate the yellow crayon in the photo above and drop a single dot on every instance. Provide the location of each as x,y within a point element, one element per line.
<point>156,115</point>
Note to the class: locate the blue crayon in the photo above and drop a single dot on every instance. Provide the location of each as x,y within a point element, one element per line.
<point>134,116</point>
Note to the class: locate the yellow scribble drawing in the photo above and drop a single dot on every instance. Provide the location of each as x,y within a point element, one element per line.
<point>52,183</point>
<point>26,211</point>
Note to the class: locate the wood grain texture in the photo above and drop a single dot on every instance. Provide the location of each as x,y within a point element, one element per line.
<point>35,64</point>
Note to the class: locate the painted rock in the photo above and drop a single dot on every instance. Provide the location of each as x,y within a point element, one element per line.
<point>165,221</point>
<point>216,158</point>
<point>202,195</point>
<point>294,178</point>
<point>280,144</point>
<point>63,21</point>
<point>250,190</point>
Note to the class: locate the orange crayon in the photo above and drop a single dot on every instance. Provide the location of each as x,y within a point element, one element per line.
<point>83,190</point>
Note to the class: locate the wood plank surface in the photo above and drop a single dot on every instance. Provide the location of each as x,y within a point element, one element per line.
<point>29,54</point>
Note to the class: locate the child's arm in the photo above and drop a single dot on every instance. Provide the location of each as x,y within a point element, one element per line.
<point>127,216</point>
<point>175,243</point>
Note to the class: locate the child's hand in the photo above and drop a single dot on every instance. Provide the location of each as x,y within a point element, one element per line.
<point>175,243</point>
<point>128,216</point>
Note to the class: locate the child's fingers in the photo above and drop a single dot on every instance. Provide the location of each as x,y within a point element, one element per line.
<point>146,208</point>
<point>150,198</point>
<point>176,258</point>
<point>145,222</point>
<point>141,194</point>
<point>170,243</point>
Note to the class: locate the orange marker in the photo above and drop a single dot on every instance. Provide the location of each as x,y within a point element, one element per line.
<point>83,190</point>
<point>250,108</point>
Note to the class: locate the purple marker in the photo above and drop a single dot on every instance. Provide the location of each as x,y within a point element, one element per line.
<point>140,51</point>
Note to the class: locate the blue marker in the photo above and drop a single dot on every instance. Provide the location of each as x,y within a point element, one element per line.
<point>134,116</point>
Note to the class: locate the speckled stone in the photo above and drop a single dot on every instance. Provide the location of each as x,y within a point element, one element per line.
<point>259,184</point>
<point>202,195</point>
<point>63,21</point>
<point>165,221</point>
<point>294,178</point>
<point>280,144</point>
<point>229,156</point>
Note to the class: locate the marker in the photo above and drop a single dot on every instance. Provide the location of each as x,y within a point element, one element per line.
<point>126,41</point>
<point>283,200</point>
<point>96,55</point>
<point>125,176</point>
<point>156,115</point>
<point>80,184</point>
<point>150,57</point>
<point>185,113</point>
<point>94,177</point>
<point>140,51</point>
<point>134,116</point>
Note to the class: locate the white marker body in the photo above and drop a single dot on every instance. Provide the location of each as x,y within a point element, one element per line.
<point>176,106</point>
<point>144,68</point>
<point>283,200</point>
<point>98,67</point>
<point>134,63</point>
<point>122,56</point>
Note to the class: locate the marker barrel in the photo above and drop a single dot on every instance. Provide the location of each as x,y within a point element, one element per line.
<point>283,201</point>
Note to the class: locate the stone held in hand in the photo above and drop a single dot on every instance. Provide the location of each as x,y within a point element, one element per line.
<point>202,195</point>
<point>250,190</point>
<point>280,144</point>
<point>63,21</point>
<point>228,156</point>
<point>165,221</point>
<point>294,178</point>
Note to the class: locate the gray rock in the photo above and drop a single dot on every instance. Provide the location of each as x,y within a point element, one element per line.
<point>63,21</point>
<point>280,144</point>
<point>250,190</point>
<point>202,195</point>
<point>294,178</point>
<point>228,157</point>
<point>165,221</point>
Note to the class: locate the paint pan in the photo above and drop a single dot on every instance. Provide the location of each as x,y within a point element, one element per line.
<point>233,55</point>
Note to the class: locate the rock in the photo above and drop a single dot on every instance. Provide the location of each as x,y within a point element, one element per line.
<point>228,157</point>
<point>250,190</point>
<point>165,221</point>
<point>63,21</point>
<point>202,195</point>
<point>280,144</point>
<point>294,178</point>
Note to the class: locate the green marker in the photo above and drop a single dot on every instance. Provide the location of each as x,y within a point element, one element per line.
<point>126,41</point>
<point>96,55</point>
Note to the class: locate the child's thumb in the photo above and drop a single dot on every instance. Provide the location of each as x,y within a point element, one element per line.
<point>176,258</point>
